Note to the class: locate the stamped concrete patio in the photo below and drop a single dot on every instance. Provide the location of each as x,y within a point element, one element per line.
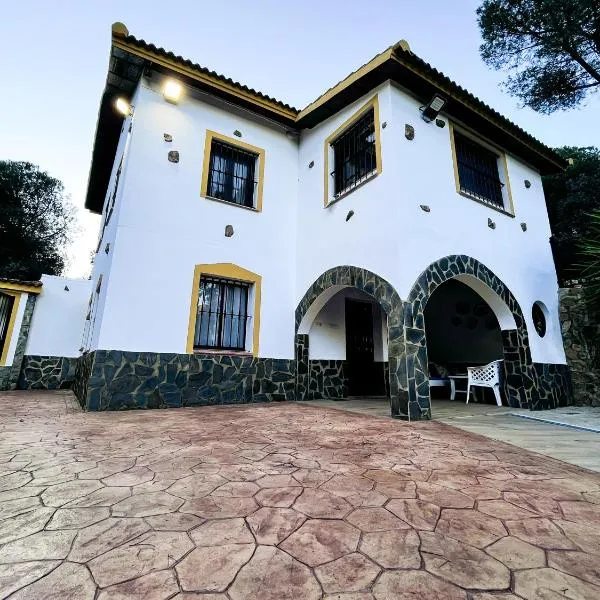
<point>281,502</point>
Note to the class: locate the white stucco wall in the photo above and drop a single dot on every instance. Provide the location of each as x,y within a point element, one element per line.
<point>106,239</point>
<point>165,227</point>
<point>392,236</point>
<point>58,318</point>
<point>12,346</point>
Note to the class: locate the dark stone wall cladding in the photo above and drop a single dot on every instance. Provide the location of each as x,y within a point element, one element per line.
<point>5,377</point>
<point>302,367</point>
<point>581,335</point>
<point>327,380</point>
<point>553,386</point>
<point>83,371</point>
<point>122,380</point>
<point>47,372</point>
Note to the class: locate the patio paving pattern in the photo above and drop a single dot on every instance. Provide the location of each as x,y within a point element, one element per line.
<point>280,502</point>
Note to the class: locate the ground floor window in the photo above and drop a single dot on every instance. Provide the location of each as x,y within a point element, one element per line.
<point>222,314</point>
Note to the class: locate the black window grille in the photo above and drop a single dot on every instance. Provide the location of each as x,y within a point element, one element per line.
<point>354,154</point>
<point>231,175</point>
<point>222,314</point>
<point>478,171</point>
<point>6,306</point>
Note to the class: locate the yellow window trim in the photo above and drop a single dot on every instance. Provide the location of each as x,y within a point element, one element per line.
<point>260,152</point>
<point>371,104</point>
<point>11,325</point>
<point>229,271</point>
<point>509,209</point>
<point>20,287</point>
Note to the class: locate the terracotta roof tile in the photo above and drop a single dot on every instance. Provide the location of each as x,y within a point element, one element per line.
<point>20,282</point>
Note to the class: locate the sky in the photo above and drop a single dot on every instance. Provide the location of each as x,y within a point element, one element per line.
<point>55,59</point>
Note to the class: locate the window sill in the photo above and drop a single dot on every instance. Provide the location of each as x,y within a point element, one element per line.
<point>502,211</point>
<point>219,352</point>
<point>347,192</point>
<point>250,208</point>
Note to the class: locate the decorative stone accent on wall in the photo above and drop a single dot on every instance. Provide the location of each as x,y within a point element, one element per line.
<point>9,376</point>
<point>389,300</point>
<point>121,380</point>
<point>581,336</point>
<point>47,372</point>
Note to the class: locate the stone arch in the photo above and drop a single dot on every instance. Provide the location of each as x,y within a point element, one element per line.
<point>321,290</point>
<point>519,378</point>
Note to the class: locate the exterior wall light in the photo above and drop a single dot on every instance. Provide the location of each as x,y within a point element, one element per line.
<point>172,91</point>
<point>431,110</point>
<point>123,107</point>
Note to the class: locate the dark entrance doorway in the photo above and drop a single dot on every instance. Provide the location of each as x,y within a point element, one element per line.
<point>365,377</point>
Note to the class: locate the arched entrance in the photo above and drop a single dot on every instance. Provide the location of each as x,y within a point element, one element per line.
<point>519,375</point>
<point>367,289</point>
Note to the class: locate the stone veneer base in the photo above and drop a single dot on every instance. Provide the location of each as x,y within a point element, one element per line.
<point>115,380</point>
<point>47,372</point>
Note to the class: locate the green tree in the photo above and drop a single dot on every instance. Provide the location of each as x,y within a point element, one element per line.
<point>571,196</point>
<point>552,48</point>
<point>36,222</point>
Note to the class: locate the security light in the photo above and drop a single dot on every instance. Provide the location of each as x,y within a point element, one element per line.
<point>123,107</point>
<point>432,109</point>
<point>172,91</point>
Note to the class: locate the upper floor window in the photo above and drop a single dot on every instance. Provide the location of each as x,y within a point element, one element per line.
<point>233,171</point>
<point>222,314</point>
<point>231,176</point>
<point>354,154</point>
<point>478,171</point>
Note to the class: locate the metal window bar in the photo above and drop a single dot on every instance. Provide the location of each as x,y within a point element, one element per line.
<point>231,175</point>
<point>222,314</point>
<point>354,154</point>
<point>478,171</point>
<point>6,306</point>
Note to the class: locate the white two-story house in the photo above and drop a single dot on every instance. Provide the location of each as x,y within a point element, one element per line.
<point>250,251</point>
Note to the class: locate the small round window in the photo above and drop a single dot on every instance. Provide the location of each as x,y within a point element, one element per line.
<point>538,314</point>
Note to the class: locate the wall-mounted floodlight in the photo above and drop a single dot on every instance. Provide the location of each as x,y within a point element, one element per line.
<point>432,108</point>
<point>172,91</point>
<point>123,107</point>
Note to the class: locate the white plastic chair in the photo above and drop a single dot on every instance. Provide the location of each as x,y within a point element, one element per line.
<point>485,376</point>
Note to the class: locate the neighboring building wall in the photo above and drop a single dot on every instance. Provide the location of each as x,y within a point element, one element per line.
<point>581,334</point>
<point>55,334</point>
<point>10,370</point>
